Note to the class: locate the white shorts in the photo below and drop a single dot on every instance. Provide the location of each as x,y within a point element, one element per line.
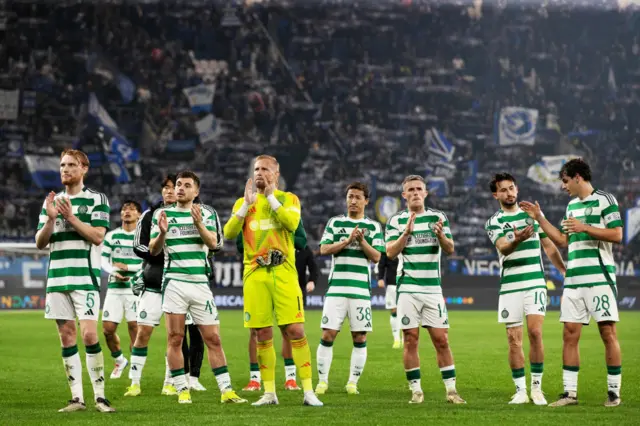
<point>390,297</point>
<point>118,305</point>
<point>182,298</point>
<point>67,305</point>
<point>336,309</point>
<point>150,308</point>
<point>579,305</point>
<point>514,307</point>
<point>188,319</point>
<point>427,310</point>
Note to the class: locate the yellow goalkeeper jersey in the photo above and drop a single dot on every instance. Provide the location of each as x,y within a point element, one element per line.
<point>266,231</point>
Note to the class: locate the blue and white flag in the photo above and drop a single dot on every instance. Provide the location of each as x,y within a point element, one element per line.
<point>44,170</point>
<point>517,126</point>
<point>438,144</point>
<point>108,131</point>
<point>546,171</point>
<point>200,97</point>
<point>208,129</point>
<point>118,169</point>
<point>632,222</point>
<point>98,64</point>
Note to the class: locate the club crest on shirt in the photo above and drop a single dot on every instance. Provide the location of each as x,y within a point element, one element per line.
<point>529,221</point>
<point>83,209</point>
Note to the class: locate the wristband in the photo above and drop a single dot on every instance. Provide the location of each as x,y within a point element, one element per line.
<point>242,211</point>
<point>273,202</point>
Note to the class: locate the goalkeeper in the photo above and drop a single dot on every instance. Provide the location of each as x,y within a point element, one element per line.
<point>267,221</point>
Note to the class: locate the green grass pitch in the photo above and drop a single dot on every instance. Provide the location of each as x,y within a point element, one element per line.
<point>33,385</point>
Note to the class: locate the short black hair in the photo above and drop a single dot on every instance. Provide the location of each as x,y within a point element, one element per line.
<point>360,187</point>
<point>188,174</point>
<point>134,203</point>
<point>169,177</point>
<point>575,167</point>
<point>499,177</point>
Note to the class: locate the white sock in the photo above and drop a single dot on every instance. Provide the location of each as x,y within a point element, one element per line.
<point>73,369</point>
<point>120,359</point>
<point>138,359</point>
<point>290,372</point>
<point>395,328</point>
<point>521,384</point>
<point>449,377</point>
<point>223,378</point>
<point>167,372</point>
<point>95,366</point>
<point>570,382</point>
<point>614,381</point>
<point>536,381</point>
<point>180,382</point>
<point>413,376</point>
<point>358,360</point>
<point>324,357</point>
<point>254,375</point>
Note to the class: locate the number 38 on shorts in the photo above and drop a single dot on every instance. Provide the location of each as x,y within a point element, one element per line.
<point>336,309</point>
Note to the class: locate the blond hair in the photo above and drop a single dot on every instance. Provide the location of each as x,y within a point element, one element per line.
<point>411,178</point>
<point>80,156</point>
<point>270,158</point>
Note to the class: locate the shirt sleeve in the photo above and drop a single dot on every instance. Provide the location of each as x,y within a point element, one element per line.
<point>560,227</point>
<point>233,227</point>
<point>376,238</point>
<point>493,230</point>
<point>100,213</point>
<point>106,254</point>
<point>611,214</point>
<point>43,218</point>
<point>300,237</point>
<point>155,229</point>
<point>446,228</point>
<point>327,235</point>
<point>392,231</point>
<point>289,213</point>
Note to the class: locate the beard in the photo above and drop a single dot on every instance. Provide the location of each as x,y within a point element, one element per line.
<point>510,203</point>
<point>69,180</point>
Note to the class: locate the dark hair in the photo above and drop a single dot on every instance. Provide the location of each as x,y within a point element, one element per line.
<point>575,167</point>
<point>188,174</point>
<point>134,203</point>
<point>169,177</point>
<point>360,187</point>
<point>499,177</point>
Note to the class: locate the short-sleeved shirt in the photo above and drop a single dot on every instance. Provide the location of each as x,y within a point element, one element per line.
<point>350,274</point>
<point>522,269</point>
<point>419,262</point>
<point>74,262</point>
<point>590,261</point>
<point>118,248</point>
<point>185,253</point>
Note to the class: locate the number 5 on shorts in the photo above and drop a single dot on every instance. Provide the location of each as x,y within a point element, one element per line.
<point>90,302</point>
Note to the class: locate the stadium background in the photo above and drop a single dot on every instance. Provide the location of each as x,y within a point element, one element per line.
<point>341,93</point>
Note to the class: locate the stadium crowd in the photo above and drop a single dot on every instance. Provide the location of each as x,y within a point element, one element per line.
<point>336,93</point>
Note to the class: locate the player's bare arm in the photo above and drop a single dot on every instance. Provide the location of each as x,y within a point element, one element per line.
<point>372,254</point>
<point>156,244</point>
<point>95,235</point>
<point>610,235</point>
<point>335,248</point>
<point>554,255</point>
<point>507,247</point>
<point>446,243</point>
<point>43,236</point>
<point>534,212</point>
<point>394,248</point>
<point>208,237</point>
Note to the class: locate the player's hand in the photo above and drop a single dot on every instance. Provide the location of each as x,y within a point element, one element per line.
<point>573,226</point>
<point>380,283</point>
<point>438,228</point>
<point>52,210</point>
<point>408,230</point>
<point>353,235</point>
<point>360,235</point>
<point>163,223</point>
<point>311,286</point>
<point>196,214</point>
<point>120,277</point>
<point>269,188</point>
<point>64,207</point>
<point>533,210</point>
<point>121,266</point>
<point>249,194</point>
<point>523,234</point>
